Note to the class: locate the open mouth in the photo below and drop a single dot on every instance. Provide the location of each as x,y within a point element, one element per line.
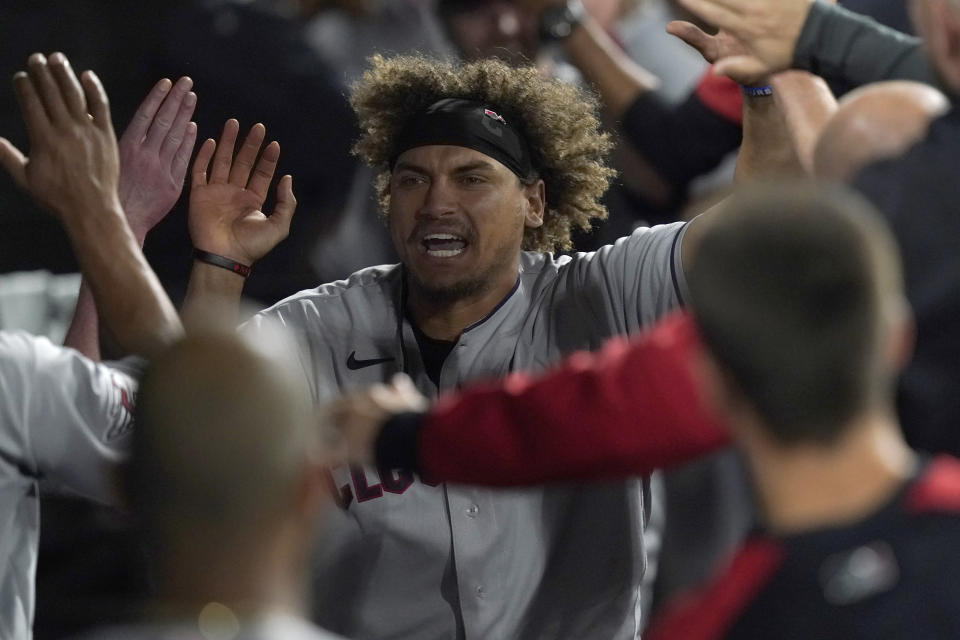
<point>443,245</point>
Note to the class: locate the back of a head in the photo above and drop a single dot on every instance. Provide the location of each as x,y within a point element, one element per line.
<point>223,434</point>
<point>790,287</point>
<point>875,122</point>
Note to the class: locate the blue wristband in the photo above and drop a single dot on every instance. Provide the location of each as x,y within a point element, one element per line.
<point>757,92</point>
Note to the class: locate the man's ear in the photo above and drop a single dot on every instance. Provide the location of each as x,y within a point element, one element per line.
<point>943,41</point>
<point>721,393</point>
<point>901,338</point>
<point>536,204</point>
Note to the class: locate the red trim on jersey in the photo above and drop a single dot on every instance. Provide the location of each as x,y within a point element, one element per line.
<point>721,95</point>
<point>627,409</point>
<point>939,487</point>
<point>709,613</point>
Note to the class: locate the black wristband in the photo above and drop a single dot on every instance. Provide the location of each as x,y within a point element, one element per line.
<point>397,444</point>
<point>222,262</point>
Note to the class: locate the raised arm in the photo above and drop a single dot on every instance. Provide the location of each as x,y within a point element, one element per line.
<point>660,133</point>
<point>228,229</point>
<point>814,36</point>
<point>155,152</point>
<point>73,171</point>
<point>617,78</point>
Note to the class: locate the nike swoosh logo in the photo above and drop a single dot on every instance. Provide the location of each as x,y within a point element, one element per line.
<point>354,364</point>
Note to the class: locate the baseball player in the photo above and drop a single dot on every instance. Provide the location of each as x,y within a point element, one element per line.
<point>857,532</point>
<point>225,476</point>
<point>64,417</point>
<point>484,169</point>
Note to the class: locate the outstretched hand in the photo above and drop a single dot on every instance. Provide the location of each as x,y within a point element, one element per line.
<point>358,417</point>
<point>226,197</point>
<point>155,152</point>
<point>73,166</point>
<point>719,49</point>
<point>757,37</point>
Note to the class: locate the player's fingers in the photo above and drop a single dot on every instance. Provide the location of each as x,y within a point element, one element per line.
<point>715,13</point>
<point>200,163</point>
<point>70,88</point>
<point>181,159</point>
<point>97,102</point>
<point>263,172</point>
<point>695,37</point>
<point>178,130</point>
<point>31,107</point>
<point>47,88</point>
<point>243,163</point>
<point>137,129</point>
<point>167,114</point>
<point>408,392</point>
<point>285,205</point>
<point>13,162</point>
<point>224,155</point>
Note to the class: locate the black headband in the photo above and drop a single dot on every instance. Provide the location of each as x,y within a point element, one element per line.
<point>466,123</point>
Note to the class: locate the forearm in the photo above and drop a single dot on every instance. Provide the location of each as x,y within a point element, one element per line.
<point>626,410</point>
<point>84,331</point>
<point>806,103</point>
<point>767,150</point>
<point>127,294</point>
<point>212,289</point>
<point>83,334</point>
<point>617,78</point>
<point>839,44</point>
<point>619,82</point>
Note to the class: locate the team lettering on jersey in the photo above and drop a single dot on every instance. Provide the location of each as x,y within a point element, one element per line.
<point>122,400</point>
<point>357,485</point>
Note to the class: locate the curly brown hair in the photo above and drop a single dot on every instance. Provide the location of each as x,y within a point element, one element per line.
<point>559,122</point>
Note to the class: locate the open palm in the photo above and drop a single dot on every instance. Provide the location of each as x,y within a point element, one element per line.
<point>226,216</point>
<point>720,49</point>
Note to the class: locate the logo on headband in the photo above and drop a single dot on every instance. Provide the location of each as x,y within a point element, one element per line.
<point>494,115</point>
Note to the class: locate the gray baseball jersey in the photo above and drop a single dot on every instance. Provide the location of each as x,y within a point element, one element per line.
<point>406,558</point>
<point>63,418</point>
<point>271,627</point>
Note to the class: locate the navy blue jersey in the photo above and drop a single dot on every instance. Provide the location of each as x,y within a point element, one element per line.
<point>893,575</point>
<point>918,194</point>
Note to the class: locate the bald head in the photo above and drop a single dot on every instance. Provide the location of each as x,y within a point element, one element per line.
<point>223,432</point>
<point>873,123</point>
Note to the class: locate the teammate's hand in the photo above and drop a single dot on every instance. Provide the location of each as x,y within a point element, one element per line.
<point>716,48</point>
<point>225,206</point>
<point>359,416</point>
<point>155,152</point>
<point>766,29</point>
<point>74,165</point>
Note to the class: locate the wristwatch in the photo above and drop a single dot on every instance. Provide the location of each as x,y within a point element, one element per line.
<point>559,20</point>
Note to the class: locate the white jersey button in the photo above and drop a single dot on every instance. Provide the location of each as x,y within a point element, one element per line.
<point>481,593</point>
<point>472,511</point>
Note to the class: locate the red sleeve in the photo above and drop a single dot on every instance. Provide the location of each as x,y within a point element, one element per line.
<point>721,95</point>
<point>708,613</point>
<point>625,410</point>
<point>938,489</point>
